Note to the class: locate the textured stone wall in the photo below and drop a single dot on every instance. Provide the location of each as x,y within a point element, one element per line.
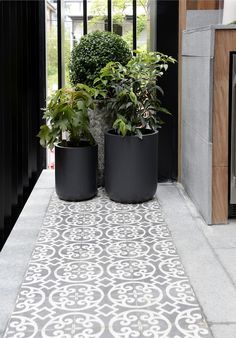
<point>197,75</point>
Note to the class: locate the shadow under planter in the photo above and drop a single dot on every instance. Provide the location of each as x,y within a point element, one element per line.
<point>76,172</point>
<point>131,167</point>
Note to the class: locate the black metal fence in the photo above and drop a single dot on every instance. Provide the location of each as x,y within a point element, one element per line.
<point>109,27</point>
<point>22,94</point>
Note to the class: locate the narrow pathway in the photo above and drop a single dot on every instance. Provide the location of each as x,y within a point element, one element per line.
<point>102,269</point>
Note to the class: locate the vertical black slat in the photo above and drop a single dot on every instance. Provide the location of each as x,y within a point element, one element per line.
<point>60,43</point>
<point>26,96</point>
<point>20,86</point>
<point>2,199</point>
<point>41,153</point>
<point>23,103</point>
<point>4,114</point>
<point>29,85</point>
<point>167,43</point>
<point>20,89</point>
<point>14,163</point>
<point>35,86</point>
<point>7,117</point>
<point>85,17</point>
<point>134,25</point>
<point>16,172</point>
<point>109,16</point>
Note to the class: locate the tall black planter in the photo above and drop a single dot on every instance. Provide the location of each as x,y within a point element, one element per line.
<point>76,172</point>
<point>131,167</point>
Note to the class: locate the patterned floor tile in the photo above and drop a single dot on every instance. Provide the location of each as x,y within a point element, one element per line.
<point>101,269</point>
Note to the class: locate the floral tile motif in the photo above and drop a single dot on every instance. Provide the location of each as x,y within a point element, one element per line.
<point>101,269</point>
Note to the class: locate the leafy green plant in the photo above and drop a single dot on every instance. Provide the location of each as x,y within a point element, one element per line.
<point>131,92</point>
<point>93,52</point>
<point>67,113</point>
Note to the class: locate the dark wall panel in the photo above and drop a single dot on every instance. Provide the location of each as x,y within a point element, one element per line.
<point>23,92</point>
<point>167,43</point>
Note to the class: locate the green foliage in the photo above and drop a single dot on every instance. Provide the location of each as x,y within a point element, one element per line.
<point>67,112</point>
<point>52,67</point>
<point>131,92</point>
<point>119,9</point>
<point>141,23</point>
<point>93,52</point>
<point>51,57</point>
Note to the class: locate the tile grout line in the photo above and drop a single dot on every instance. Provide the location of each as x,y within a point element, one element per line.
<point>199,217</point>
<point>207,240</point>
<point>222,323</point>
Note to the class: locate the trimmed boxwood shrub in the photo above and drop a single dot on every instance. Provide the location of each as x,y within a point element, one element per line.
<point>93,52</point>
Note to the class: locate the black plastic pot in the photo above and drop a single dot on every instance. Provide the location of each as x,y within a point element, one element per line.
<point>131,167</point>
<point>76,172</point>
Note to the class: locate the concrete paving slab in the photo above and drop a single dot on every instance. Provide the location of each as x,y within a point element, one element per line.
<point>46,181</point>
<point>224,331</point>
<point>213,287</point>
<point>11,276</point>
<point>221,236</point>
<point>228,260</point>
<point>37,203</point>
<point>17,250</point>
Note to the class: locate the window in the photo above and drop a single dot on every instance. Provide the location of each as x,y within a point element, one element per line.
<point>127,18</point>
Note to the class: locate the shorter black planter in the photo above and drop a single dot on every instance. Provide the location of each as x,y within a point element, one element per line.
<point>76,172</point>
<point>131,167</point>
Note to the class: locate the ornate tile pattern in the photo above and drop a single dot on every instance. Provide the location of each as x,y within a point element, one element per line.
<point>102,269</point>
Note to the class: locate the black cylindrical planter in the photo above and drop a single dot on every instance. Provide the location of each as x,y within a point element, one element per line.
<point>76,172</point>
<point>131,167</point>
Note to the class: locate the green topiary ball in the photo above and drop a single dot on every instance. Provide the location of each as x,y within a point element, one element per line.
<point>93,52</point>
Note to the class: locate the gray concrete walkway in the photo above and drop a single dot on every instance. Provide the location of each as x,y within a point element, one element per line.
<point>207,253</point>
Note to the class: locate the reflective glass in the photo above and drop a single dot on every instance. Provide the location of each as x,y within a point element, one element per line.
<point>97,15</point>
<point>52,64</point>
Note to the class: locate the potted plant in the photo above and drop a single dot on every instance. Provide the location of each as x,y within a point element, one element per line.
<point>131,146</point>
<point>67,129</point>
<point>88,57</point>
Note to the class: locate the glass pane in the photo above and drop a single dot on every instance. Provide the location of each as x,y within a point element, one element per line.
<point>97,15</point>
<point>142,24</point>
<point>123,19</point>
<point>52,64</point>
<point>73,29</point>
<point>52,72</point>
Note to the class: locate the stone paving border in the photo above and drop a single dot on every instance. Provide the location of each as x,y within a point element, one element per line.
<point>212,276</point>
<point>16,252</point>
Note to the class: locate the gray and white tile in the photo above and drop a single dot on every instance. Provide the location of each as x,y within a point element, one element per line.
<point>101,269</point>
